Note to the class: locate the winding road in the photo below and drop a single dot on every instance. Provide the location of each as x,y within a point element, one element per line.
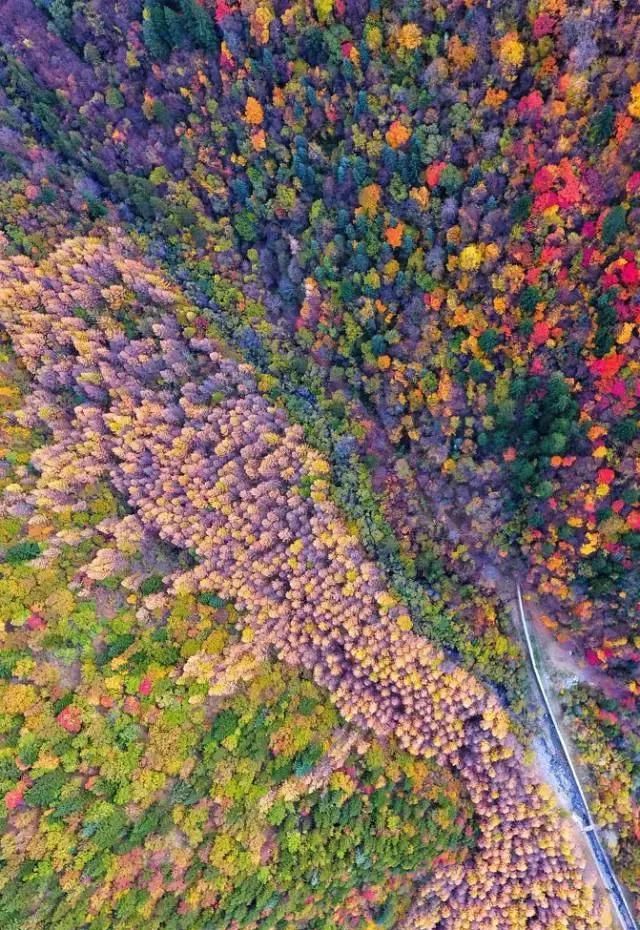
<point>581,811</point>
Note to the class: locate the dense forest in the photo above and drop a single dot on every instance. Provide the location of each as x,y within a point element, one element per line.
<point>320,329</point>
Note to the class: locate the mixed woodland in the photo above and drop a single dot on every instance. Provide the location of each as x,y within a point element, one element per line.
<point>320,329</point>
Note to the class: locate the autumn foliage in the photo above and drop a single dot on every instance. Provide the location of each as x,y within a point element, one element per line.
<point>210,466</point>
<point>418,223</point>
